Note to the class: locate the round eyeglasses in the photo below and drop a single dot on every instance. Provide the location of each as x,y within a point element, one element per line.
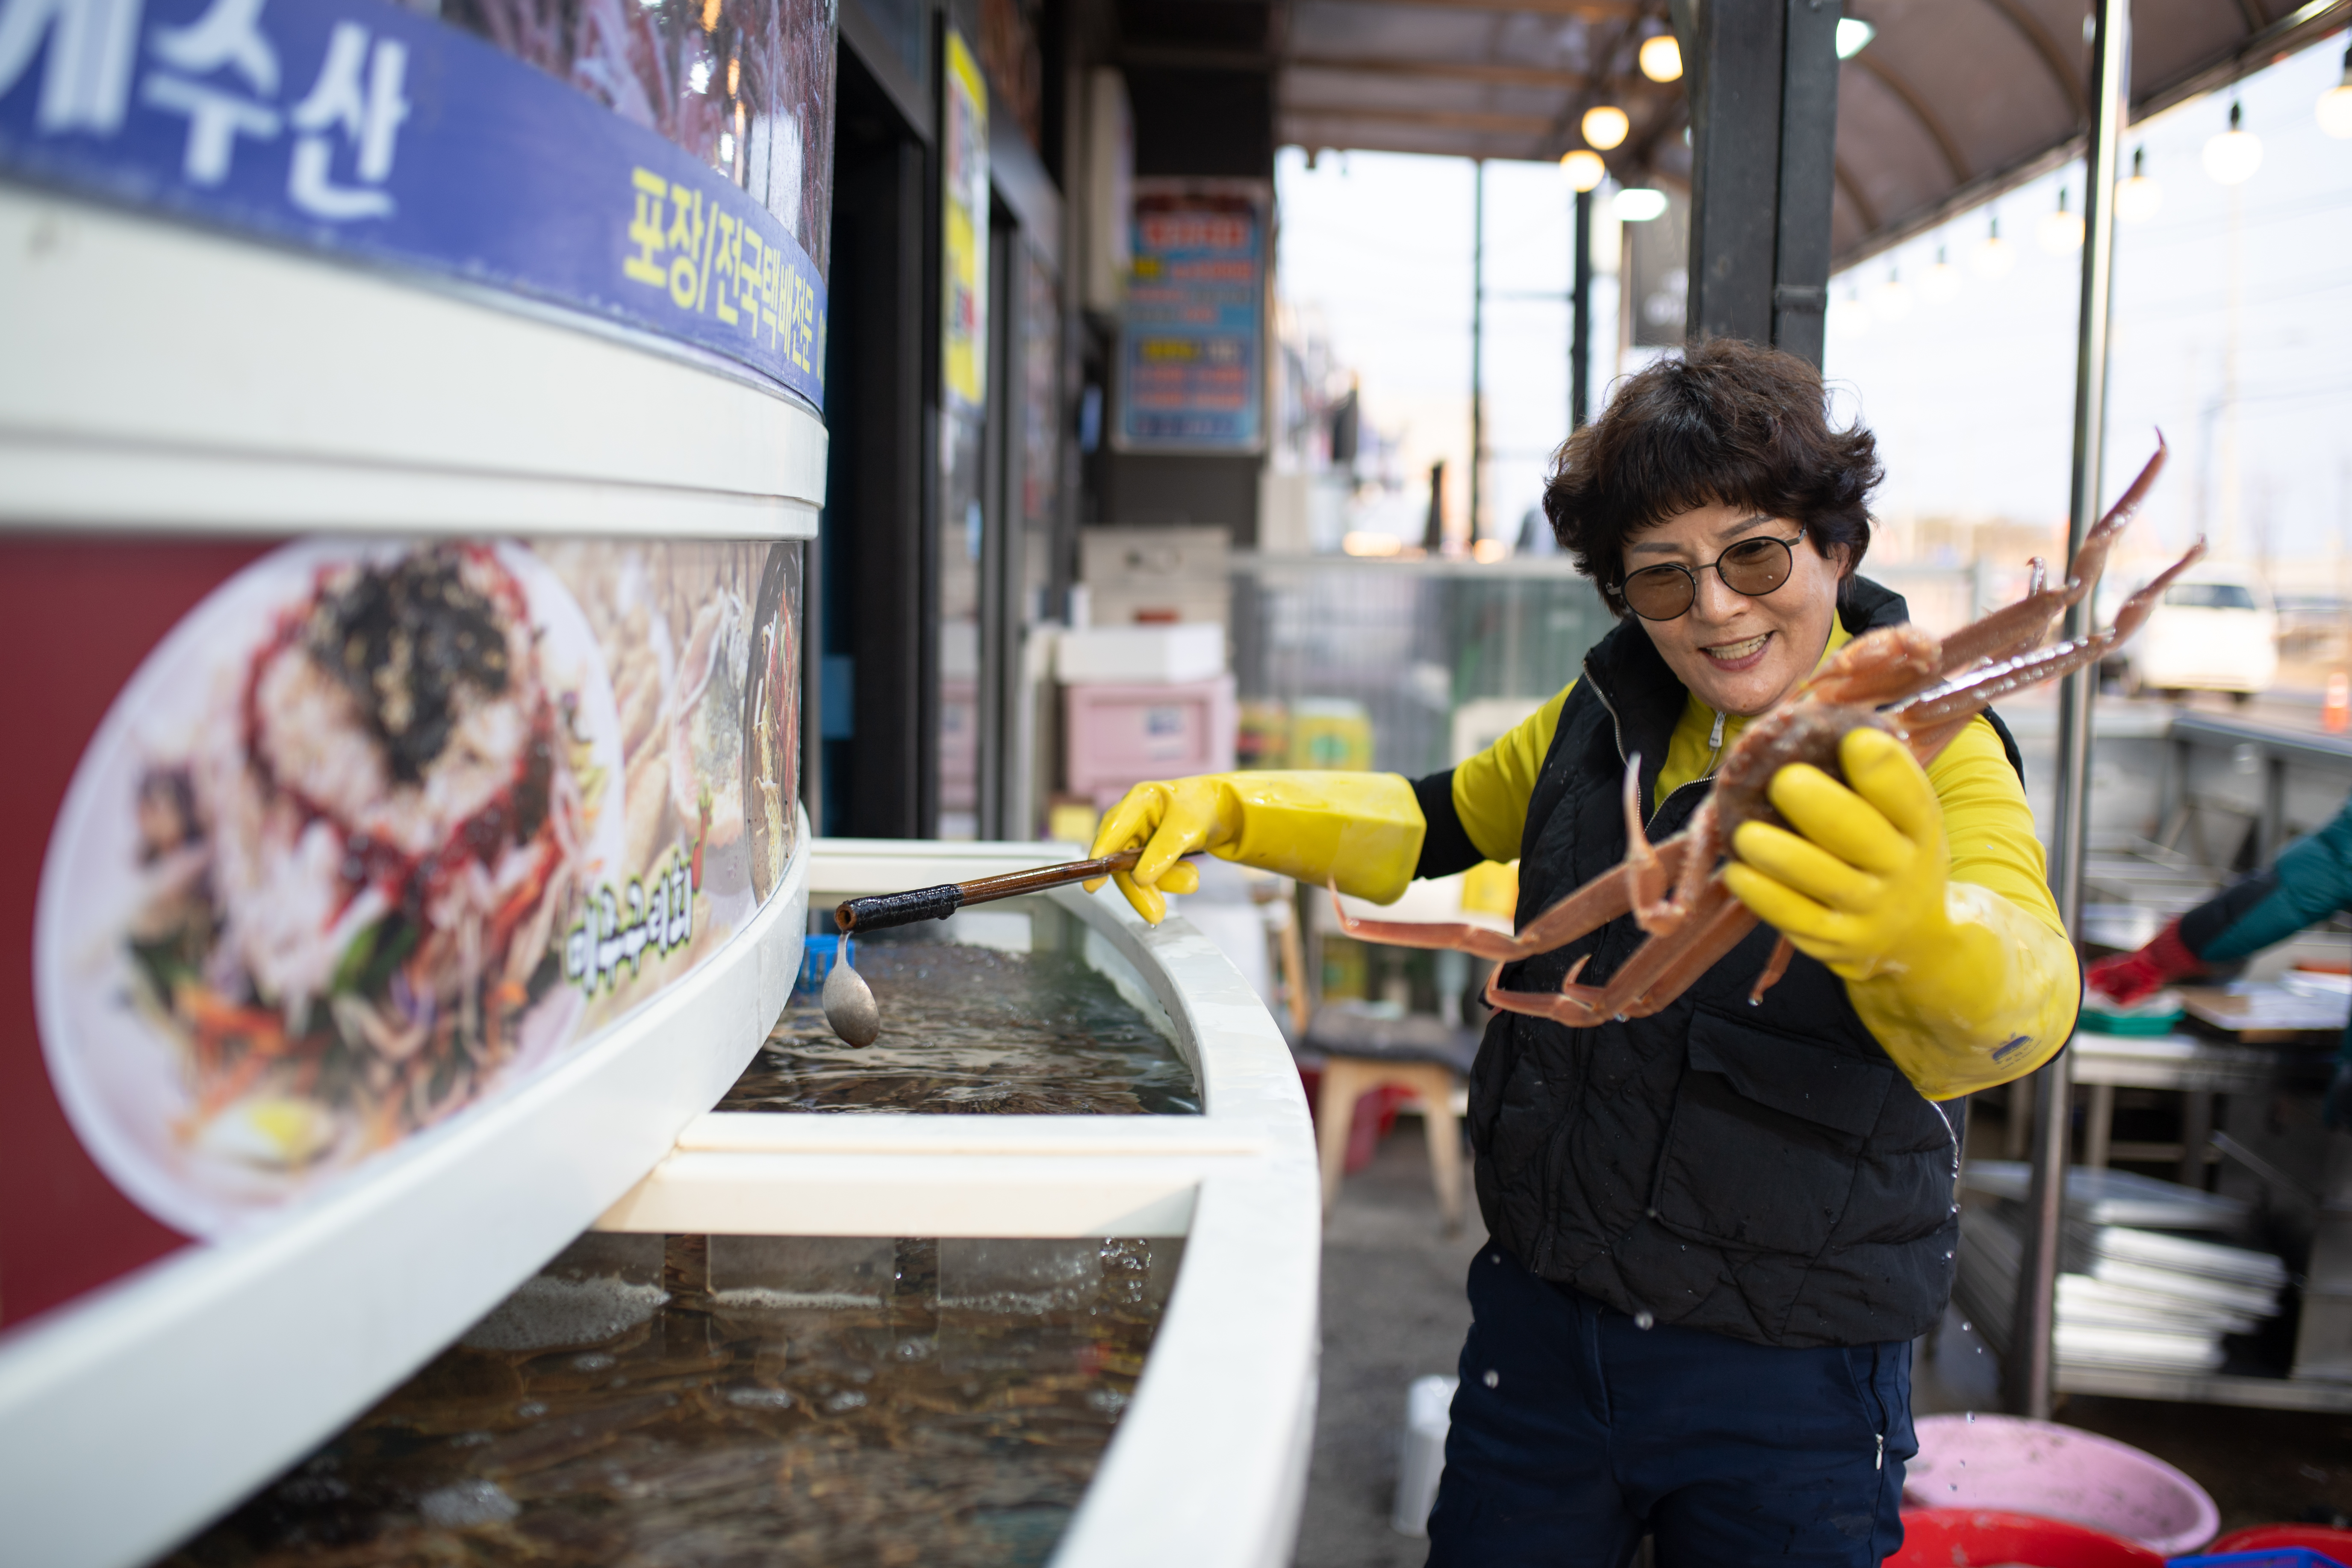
<point>1752,568</point>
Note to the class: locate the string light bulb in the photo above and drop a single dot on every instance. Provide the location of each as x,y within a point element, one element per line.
<point>1941,283</point>
<point>2138,198</point>
<point>2232,156</point>
<point>1583,167</point>
<point>1995,257</point>
<point>1661,59</point>
<point>2061,230</point>
<point>1892,301</point>
<point>1605,126</point>
<point>2334,108</point>
<point>1638,204</point>
<point>1848,318</point>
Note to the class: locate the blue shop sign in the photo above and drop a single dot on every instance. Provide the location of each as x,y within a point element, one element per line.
<point>1191,367</point>
<point>358,127</point>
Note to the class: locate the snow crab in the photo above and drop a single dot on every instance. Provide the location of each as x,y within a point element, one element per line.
<point>1919,687</point>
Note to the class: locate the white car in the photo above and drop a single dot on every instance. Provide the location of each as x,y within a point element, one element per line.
<point>2215,629</point>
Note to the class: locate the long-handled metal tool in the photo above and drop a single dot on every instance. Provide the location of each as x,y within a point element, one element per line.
<point>849,1005</point>
<point>883,909</point>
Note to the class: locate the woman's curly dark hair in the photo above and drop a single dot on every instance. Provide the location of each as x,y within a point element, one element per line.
<point>1727,423</point>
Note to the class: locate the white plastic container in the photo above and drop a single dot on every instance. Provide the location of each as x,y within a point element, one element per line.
<point>1421,1462</point>
<point>1140,654</point>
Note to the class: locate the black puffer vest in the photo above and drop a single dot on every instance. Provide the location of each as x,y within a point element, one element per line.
<point>1763,1172</point>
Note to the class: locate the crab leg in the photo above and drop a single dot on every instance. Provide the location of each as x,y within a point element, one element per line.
<point>1572,1004</point>
<point>1635,976</point>
<point>1708,945</point>
<point>1971,693</point>
<point>2090,561</point>
<point>1774,967</point>
<point>1659,969</point>
<point>2009,631</point>
<point>1876,667</point>
<point>2019,628</point>
<point>1927,744</point>
<point>1461,936</point>
<point>1628,990</point>
<point>1597,903</point>
<point>1582,912</point>
<point>1646,877</point>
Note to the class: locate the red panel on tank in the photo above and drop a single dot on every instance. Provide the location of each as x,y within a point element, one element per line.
<point>81,614</point>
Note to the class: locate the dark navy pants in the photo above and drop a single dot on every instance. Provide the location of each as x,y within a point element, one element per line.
<point>1576,1430</point>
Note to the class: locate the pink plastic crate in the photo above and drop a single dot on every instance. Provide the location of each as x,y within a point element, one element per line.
<point>1115,736</point>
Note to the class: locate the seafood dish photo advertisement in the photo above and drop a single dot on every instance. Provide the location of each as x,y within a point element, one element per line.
<point>1176,783</point>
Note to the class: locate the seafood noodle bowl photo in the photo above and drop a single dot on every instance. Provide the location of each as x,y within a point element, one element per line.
<point>311,890</point>
<point>385,823</point>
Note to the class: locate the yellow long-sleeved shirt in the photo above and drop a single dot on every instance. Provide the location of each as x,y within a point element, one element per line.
<point>1987,824</point>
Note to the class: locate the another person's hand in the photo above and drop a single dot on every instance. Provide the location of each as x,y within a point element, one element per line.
<point>1360,832</point>
<point>2128,976</point>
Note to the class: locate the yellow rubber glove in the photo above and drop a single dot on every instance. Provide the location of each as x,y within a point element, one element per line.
<point>1363,830</point>
<point>1963,989</point>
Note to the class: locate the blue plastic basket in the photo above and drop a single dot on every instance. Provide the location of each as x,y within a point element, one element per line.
<point>2269,1557</point>
<point>817,958</point>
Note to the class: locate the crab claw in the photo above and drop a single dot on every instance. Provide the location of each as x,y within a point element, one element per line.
<point>1648,883</point>
<point>2090,561</point>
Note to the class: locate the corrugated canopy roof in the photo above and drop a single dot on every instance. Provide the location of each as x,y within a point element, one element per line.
<point>1950,100</point>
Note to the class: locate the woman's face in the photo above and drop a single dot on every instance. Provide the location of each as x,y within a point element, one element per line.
<point>1736,654</point>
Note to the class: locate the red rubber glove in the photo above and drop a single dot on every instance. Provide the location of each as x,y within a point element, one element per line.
<point>2128,976</point>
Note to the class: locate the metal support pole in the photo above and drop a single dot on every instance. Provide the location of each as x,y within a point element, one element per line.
<point>1763,92</point>
<point>1478,341</point>
<point>1734,168</point>
<point>1800,259</point>
<point>2272,829</point>
<point>2029,1370</point>
<point>1579,317</point>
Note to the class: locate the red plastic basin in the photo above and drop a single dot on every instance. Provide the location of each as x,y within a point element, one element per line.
<point>2335,1543</point>
<point>1978,1537</point>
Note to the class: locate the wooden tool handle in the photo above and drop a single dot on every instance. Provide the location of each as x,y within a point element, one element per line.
<point>881,910</point>
<point>982,889</point>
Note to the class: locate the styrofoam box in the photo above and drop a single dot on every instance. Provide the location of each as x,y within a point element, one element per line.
<point>1118,735</point>
<point>1131,557</point>
<point>1140,654</point>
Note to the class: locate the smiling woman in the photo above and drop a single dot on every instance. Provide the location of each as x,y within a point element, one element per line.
<point>1746,1184</point>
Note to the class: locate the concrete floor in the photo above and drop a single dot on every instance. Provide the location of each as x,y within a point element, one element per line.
<point>1394,1309</point>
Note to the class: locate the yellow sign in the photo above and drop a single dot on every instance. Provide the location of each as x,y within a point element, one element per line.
<point>1330,733</point>
<point>964,269</point>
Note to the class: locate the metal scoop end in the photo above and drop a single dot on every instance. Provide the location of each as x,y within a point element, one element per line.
<point>849,1007</point>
